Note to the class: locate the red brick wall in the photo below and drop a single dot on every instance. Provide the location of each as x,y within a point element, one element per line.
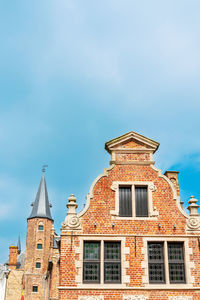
<point>102,202</point>
<point>35,276</point>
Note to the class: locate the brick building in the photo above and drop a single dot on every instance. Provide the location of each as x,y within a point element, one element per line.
<point>132,240</point>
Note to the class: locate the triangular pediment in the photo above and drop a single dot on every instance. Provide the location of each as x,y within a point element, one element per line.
<point>131,141</point>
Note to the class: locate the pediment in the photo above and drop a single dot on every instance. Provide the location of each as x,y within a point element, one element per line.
<point>131,141</point>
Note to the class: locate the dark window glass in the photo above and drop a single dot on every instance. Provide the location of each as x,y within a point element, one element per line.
<point>125,201</point>
<point>38,265</point>
<point>35,288</point>
<point>156,263</point>
<point>176,263</point>
<point>91,264</point>
<point>40,227</point>
<point>141,203</point>
<point>112,262</point>
<point>39,246</point>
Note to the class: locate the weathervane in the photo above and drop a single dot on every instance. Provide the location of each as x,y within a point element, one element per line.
<point>44,168</point>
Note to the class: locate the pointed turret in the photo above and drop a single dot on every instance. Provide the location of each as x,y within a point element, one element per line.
<point>41,206</point>
<point>19,245</point>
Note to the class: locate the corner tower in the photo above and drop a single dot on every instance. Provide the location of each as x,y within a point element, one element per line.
<point>38,245</point>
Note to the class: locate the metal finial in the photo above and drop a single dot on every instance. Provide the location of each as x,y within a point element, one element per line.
<point>44,168</point>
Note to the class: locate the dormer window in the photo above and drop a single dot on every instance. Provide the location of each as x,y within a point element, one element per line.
<point>133,201</point>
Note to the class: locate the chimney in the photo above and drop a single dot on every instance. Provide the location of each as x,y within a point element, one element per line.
<point>173,177</point>
<point>13,257</point>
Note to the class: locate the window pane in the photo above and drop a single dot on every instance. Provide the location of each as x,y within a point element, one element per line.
<point>112,251</point>
<point>112,262</point>
<point>91,264</point>
<point>156,263</point>
<point>155,252</point>
<point>141,203</point>
<point>91,272</point>
<point>125,201</point>
<point>40,227</point>
<point>39,246</point>
<point>35,289</point>
<point>38,265</point>
<point>91,250</point>
<point>176,263</point>
<point>112,272</point>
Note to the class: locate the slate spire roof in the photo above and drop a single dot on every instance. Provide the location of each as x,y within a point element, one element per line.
<point>19,245</point>
<point>41,206</point>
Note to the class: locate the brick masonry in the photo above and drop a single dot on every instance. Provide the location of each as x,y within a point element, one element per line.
<point>131,163</point>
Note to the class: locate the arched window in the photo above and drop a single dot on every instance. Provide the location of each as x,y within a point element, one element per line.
<point>40,226</point>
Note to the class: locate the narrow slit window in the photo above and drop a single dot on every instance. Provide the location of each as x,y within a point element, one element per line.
<point>91,262</point>
<point>141,201</point>
<point>125,201</point>
<point>176,263</point>
<point>156,263</point>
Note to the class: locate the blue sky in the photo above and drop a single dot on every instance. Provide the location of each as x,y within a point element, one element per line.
<point>75,74</point>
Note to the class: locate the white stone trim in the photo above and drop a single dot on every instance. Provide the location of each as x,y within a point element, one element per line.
<point>90,194</point>
<point>119,287</point>
<point>150,189</point>
<point>124,264</point>
<point>135,297</point>
<point>175,196</point>
<point>189,265</point>
<point>180,297</point>
<point>90,297</point>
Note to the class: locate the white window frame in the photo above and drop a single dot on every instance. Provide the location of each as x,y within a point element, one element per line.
<point>152,212</point>
<point>187,263</point>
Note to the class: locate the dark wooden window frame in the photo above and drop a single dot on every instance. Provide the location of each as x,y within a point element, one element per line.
<point>176,265</point>
<point>87,262</point>
<point>126,200</point>
<point>112,262</point>
<point>156,264</point>
<point>116,262</point>
<point>175,261</point>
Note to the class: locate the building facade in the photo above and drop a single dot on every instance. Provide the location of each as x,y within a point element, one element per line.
<point>133,240</point>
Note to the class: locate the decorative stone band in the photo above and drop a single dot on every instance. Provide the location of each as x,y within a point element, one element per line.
<point>180,298</point>
<point>135,297</point>
<point>91,298</point>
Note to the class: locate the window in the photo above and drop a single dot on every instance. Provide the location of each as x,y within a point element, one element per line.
<point>39,246</point>
<point>175,260</point>
<point>40,227</point>
<point>92,258</point>
<point>112,262</point>
<point>141,205</point>
<point>125,201</point>
<point>176,263</point>
<point>133,201</point>
<point>91,265</point>
<point>35,289</point>
<point>156,263</point>
<point>38,265</point>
